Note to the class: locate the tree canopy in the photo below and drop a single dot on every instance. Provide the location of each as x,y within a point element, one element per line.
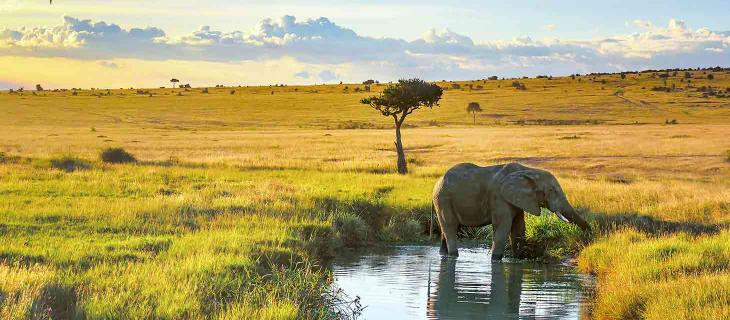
<point>401,99</point>
<point>473,107</point>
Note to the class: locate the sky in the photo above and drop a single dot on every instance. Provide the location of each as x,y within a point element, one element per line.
<point>128,43</point>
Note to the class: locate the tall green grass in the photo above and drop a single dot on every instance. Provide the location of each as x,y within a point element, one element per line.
<point>150,241</point>
<point>185,240</point>
<point>676,276</point>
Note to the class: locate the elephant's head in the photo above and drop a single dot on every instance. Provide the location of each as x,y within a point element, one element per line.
<point>532,189</point>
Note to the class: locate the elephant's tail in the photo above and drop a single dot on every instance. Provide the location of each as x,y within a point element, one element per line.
<point>430,221</point>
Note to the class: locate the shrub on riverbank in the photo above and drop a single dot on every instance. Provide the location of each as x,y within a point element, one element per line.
<point>549,238</point>
<point>402,230</point>
<point>642,277</point>
<point>351,230</point>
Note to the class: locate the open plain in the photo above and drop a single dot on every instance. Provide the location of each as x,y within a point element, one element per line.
<point>239,196</point>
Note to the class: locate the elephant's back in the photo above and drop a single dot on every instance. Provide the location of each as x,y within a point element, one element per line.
<point>463,175</point>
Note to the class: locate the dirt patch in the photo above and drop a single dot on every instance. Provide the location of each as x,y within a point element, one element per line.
<point>598,158</point>
<point>558,122</point>
<point>416,149</point>
<point>573,137</point>
<point>496,115</point>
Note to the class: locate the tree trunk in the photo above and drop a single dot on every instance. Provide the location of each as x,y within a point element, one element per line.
<point>474,115</point>
<point>402,165</point>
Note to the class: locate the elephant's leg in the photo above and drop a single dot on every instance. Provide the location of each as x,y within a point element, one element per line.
<point>517,234</point>
<point>501,225</point>
<point>449,227</point>
<point>444,248</point>
<point>451,239</point>
<point>450,234</point>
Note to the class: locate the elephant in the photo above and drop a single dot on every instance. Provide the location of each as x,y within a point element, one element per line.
<point>470,195</point>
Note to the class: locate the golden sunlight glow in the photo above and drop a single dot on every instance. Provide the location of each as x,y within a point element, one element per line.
<point>118,73</point>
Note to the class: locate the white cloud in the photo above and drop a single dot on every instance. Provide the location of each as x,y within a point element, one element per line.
<point>549,27</point>
<point>437,54</point>
<point>643,24</point>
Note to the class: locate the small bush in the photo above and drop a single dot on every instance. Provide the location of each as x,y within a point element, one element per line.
<point>351,230</point>
<point>68,163</point>
<point>116,155</point>
<point>519,85</point>
<point>403,231</point>
<point>549,238</point>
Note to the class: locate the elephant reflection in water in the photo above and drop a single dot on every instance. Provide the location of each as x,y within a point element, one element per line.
<point>502,300</point>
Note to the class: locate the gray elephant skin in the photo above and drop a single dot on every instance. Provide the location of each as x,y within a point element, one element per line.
<point>470,195</point>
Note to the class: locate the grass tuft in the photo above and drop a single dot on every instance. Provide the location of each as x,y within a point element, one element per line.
<point>116,155</point>
<point>548,238</point>
<point>402,230</point>
<point>351,230</point>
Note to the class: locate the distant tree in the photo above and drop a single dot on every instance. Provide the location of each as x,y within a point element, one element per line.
<point>473,108</point>
<point>38,87</point>
<point>493,78</point>
<point>174,81</point>
<point>400,100</point>
<point>710,77</point>
<point>623,75</point>
<point>368,82</point>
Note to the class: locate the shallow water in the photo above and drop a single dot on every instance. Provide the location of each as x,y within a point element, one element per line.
<point>415,282</point>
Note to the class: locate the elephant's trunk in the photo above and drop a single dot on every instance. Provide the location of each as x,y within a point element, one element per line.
<point>572,216</point>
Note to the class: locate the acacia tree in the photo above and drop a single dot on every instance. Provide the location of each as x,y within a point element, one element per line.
<point>400,100</point>
<point>473,108</point>
<point>173,80</point>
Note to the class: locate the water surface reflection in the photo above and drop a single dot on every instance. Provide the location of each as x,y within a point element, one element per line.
<point>415,282</point>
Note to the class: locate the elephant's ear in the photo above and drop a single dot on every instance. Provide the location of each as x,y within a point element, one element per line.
<point>520,189</point>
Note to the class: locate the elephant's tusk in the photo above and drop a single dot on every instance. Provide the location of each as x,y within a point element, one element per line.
<point>561,216</point>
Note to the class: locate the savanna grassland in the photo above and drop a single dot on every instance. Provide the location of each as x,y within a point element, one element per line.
<point>239,196</point>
